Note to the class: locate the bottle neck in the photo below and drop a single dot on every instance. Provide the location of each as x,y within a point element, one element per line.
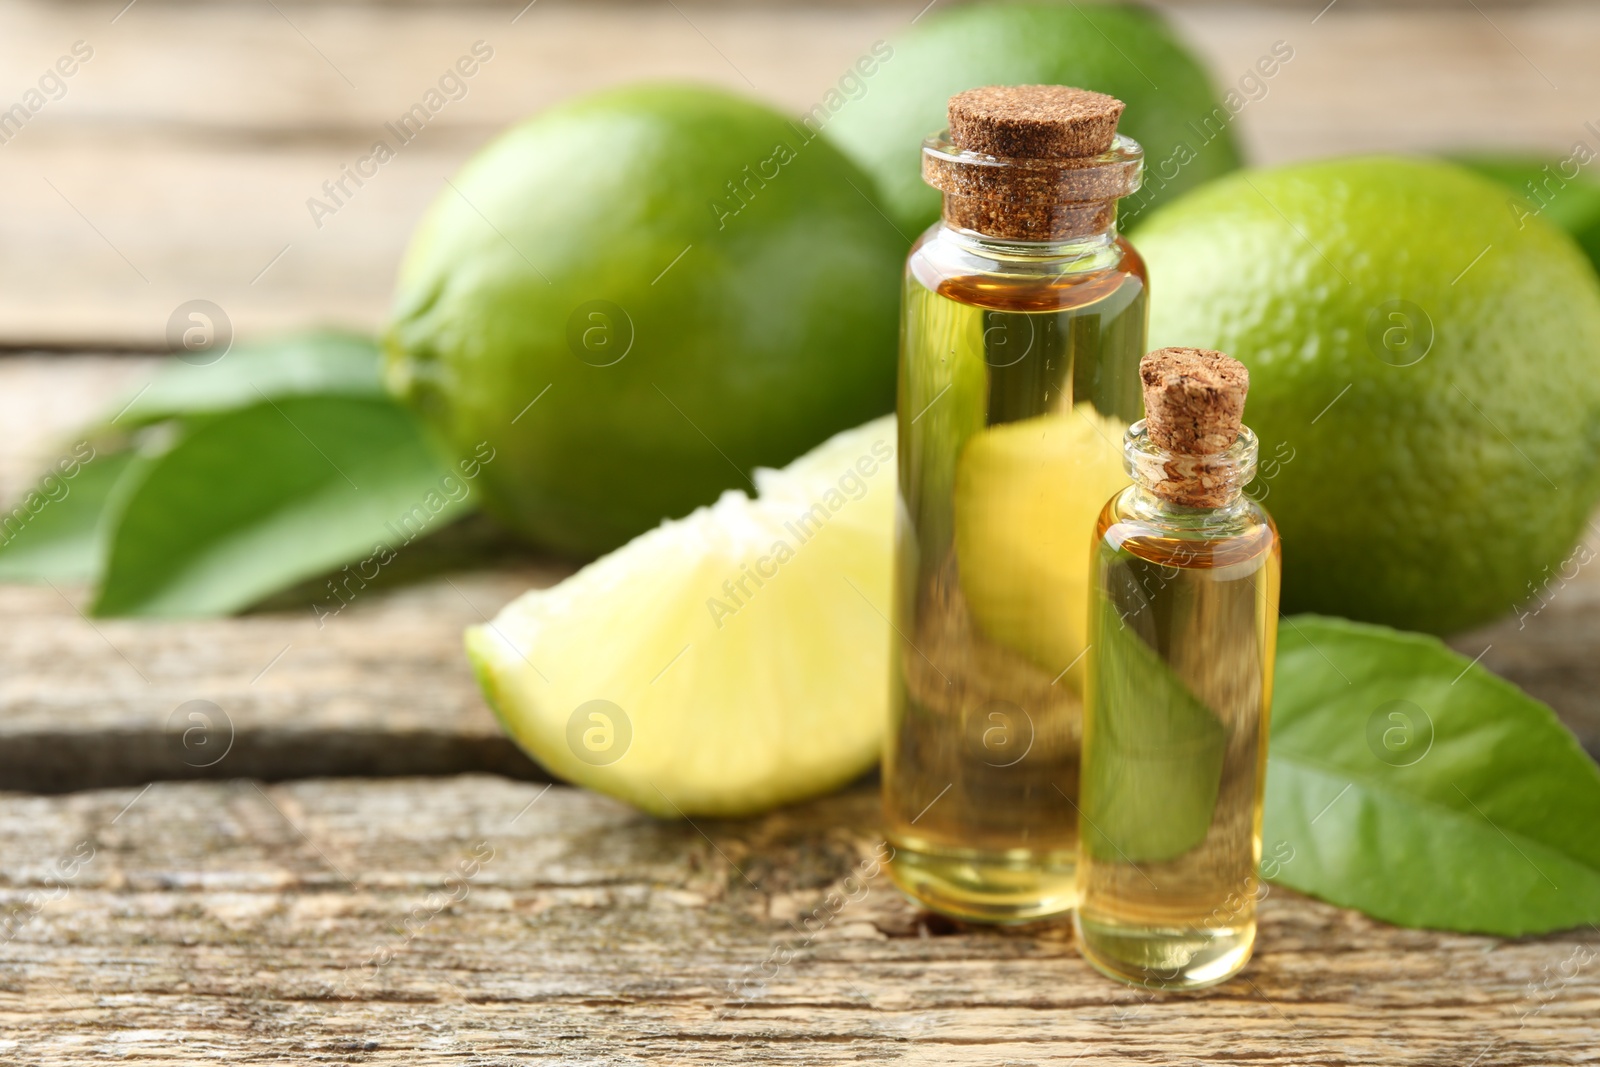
<point>1098,241</point>
<point>1055,227</point>
<point>962,253</point>
<point>1189,489</point>
<point>1032,201</point>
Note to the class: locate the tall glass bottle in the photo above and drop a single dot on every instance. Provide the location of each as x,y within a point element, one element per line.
<point>1183,626</point>
<point>1024,319</point>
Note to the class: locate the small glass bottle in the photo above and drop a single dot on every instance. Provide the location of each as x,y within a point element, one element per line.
<point>1183,625</point>
<point>1023,322</point>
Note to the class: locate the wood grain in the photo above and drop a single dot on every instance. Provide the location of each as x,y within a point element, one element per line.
<point>385,689</point>
<point>227,922</point>
<point>179,162</point>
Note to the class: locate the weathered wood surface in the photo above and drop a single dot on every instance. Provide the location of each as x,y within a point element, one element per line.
<point>179,161</point>
<point>330,921</point>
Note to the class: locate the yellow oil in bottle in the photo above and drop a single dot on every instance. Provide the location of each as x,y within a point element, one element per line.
<point>1183,628</point>
<point>1019,373</point>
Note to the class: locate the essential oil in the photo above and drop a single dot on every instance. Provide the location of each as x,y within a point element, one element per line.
<point>1024,319</point>
<point>1183,627</point>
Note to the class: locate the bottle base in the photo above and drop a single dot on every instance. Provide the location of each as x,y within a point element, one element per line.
<point>974,885</point>
<point>1168,959</point>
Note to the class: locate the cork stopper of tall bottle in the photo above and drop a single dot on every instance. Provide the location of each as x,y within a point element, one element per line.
<point>1030,163</point>
<point>1033,121</point>
<point>1194,408</point>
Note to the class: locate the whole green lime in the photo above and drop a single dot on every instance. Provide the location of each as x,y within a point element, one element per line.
<point>1424,378</point>
<point>637,297</point>
<point>1559,191</point>
<point>1130,52</point>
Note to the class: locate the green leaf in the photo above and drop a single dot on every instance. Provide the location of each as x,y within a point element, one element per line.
<point>313,364</point>
<point>58,531</point>
<point>1419,788</point>
<point>1153,752</point>
<point>55,533</point>
<point>1554,190</point>
<point>252,501</point>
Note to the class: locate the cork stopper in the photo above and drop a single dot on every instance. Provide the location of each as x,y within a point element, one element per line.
<point>1034,121</point>
<point>1032,162</point>
<point>1194,410</point>
<point>1193,399</point>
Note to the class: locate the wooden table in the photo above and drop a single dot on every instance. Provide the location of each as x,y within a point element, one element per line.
<point>371,872</point>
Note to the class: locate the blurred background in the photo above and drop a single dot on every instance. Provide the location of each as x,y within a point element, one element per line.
<point>177,161</point>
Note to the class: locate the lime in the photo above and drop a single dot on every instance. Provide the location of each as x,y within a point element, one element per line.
<point>1127,51</point>
<point>1556,190</point>
<point>1027,495</point>
<point>1422,378</point>
<point>635,298</point>
<point>723,663</point>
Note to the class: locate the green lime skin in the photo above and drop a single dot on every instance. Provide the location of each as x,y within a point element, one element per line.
<point>636,298</point>
<point>1560,191</point>
<point>1126,51</point>
<point>1424,378</point>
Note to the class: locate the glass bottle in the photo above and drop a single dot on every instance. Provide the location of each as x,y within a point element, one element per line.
<point>1024,316</point>
<point>1183,626</point>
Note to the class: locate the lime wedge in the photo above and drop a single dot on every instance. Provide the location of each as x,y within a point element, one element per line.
<point>1027,495</point>
<point>721,664</point>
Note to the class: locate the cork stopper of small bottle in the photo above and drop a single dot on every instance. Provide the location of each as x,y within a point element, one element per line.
<point>1194,408</point>
<point>1028,162</point>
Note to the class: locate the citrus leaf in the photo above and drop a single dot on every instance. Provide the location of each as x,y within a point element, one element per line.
<point>1153,758</point>
<point>312,364</point>
<point>1573,205</point>
<point>252,501</point>
<point>55,533</point>
<point>1419,788</point>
